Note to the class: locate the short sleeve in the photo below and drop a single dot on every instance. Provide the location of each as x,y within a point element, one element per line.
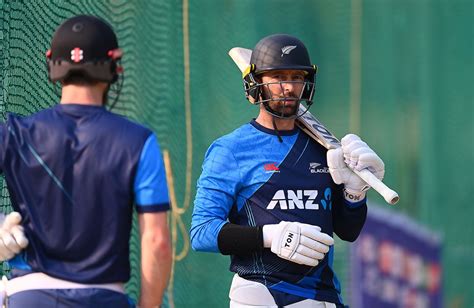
<point>151,189</point>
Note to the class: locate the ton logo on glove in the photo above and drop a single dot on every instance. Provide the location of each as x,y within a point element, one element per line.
<point>289,239</point>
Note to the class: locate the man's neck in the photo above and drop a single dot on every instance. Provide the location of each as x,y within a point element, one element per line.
<point>83,95</point>
<point>266,120</point>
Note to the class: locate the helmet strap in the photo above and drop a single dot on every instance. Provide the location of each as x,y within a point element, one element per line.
<point>117,89</point>
<point>276,130</point>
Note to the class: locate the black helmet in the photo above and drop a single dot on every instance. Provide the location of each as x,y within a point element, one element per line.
<point>84,45</point>
<point>279,52</point>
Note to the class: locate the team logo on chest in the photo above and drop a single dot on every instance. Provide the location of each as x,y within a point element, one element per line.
<point>271,168</point>
<point>316,168</point>
<point>294,199</point>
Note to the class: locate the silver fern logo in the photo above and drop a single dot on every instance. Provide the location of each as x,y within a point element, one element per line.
<point>315,168</point>
<point>286,50</point>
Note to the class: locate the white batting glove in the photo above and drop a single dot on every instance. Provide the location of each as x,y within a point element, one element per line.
<point>12,236</point>
<point>354,154</point>
<point>297,242</point>
<point>358,155</point>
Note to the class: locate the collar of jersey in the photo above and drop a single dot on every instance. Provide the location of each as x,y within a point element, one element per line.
<point>78,107</point>
<point>261,128</point>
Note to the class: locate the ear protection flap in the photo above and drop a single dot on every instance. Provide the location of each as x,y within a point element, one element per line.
<point>308,91</point>
<point>48,59</point>
<point>115,66</point>
<point>252,90</point>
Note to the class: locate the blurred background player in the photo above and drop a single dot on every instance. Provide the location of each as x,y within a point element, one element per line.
<point>73,172</point>
<point>269,196</point>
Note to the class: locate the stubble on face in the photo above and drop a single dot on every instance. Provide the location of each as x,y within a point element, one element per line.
<point>285,108</point>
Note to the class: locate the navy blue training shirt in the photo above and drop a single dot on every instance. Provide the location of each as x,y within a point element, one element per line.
<point>250,178</point>
<point>74,172</point>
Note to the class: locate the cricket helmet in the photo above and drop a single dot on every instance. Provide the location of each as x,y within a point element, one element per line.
<point>84,45</point>
<point>278,52</point>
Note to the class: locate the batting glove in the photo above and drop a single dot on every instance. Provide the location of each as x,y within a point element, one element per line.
<point>12,236</point>
<point>297,242</point>
<point>354,154</point>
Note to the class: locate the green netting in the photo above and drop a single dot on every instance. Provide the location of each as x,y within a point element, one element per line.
<point>397,72</point>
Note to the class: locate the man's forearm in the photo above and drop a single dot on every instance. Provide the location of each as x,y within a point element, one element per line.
<point>155,268</point>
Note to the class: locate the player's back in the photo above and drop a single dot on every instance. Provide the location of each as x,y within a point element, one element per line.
<point>70,172</point>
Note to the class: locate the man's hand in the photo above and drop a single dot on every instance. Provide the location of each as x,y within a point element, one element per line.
<point>354,154</point>
<point>12,236</point>
<point>297,242</point>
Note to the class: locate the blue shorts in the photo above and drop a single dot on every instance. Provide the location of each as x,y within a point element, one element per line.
<point>62,298</point>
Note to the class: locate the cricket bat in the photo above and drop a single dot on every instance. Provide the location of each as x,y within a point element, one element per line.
<point>317,131</point>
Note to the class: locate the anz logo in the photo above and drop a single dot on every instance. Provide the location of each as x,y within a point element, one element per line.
<point>299,199</point>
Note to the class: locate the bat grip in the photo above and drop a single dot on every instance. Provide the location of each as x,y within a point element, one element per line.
<point>388,194</point>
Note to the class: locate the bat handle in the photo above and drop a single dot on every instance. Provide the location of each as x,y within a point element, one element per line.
<point>388,194</point>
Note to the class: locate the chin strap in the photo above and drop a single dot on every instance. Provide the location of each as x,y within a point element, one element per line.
<point>276,130</point>
<point>117,89</point>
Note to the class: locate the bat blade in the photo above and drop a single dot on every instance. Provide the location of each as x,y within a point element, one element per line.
<point>309,123</point>
<point>241,57</point>
<point>317,131</point>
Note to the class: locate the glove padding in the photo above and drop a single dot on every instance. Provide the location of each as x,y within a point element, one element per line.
<point>12,236</point>
<point>358,156</point>
<point>354,154</point>
<point>297,242</point>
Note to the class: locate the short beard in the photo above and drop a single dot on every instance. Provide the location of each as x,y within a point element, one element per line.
<point>285,109</point>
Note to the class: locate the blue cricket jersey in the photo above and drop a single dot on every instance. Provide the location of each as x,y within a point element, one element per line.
<point>250,178</point>
<point>74,172</point>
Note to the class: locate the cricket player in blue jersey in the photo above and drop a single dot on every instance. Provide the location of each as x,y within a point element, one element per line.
<point>74,172</point>
<point>272,198</point>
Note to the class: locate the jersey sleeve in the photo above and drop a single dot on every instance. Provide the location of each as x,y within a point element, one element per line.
<point>348,217</point>
<point>150,187</point>
<point>216,192</point>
